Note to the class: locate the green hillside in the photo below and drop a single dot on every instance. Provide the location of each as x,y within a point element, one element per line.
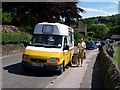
<point>112,22</point>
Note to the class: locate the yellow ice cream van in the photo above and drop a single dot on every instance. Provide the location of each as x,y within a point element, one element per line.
<point>51,48</point>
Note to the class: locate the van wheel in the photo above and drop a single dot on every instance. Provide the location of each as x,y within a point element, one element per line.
<point>70,63</point>
<point>74,61</point>
<point>62,68</point>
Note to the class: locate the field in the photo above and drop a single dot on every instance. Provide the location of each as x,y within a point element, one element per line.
<point>117,56</point>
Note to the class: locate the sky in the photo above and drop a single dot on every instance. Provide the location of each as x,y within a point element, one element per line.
<point>94,8</point>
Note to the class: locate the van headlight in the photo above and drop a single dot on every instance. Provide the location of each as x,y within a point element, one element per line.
<point>53,60</point>
<point>25,56</point>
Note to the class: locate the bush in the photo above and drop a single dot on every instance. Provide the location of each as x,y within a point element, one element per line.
<point>15,37</point>
<point>77,37</point>
<point>27,29</point>
<point>86,38</point>
<point>6,19</point>
<point>10,28</point>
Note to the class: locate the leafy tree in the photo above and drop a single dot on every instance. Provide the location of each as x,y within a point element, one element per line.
<point>6,18</point>
<point>30,13</point>
<point>100,30</point>
<point>91,33</point>
<point>114,24</point>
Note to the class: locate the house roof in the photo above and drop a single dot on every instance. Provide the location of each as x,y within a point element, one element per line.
<point>115,36</point>
<point>82,28</point>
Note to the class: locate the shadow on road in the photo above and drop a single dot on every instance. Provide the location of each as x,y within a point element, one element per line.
<point>96,79</point>
<point>17,69</point>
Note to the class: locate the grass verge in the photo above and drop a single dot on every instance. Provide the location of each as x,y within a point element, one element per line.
<point>116,56</point>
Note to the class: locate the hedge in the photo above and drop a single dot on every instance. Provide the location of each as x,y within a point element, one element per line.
<point>15,37</point>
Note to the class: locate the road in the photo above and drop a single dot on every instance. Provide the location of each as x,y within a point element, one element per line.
<point>13,76</point>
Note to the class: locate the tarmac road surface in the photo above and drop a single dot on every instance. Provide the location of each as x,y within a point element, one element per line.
<point>13,76</point>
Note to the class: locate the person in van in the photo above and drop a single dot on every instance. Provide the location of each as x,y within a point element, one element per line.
<point>81,54</point>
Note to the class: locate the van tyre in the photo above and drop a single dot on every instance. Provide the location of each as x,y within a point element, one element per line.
<point>74,61</point>
<point>62,69</point>
<point>70,64</point>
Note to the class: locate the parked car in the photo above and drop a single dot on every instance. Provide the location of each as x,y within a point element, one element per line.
<point>97,43</point>
<point>91,45</point>
<point>103,42</point>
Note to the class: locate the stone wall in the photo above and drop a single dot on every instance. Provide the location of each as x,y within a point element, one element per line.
<point>10,49</point>
<point>109,71</point>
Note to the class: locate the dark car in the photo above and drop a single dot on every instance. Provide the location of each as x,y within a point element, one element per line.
<point>103,42</point>
<point>91,45</point>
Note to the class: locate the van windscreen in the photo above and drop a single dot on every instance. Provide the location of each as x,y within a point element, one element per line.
<point>47,40</point>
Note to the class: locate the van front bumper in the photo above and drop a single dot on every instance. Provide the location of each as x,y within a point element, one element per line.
<point>41,66</point>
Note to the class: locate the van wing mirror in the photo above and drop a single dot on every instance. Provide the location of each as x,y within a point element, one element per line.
<point>66,48</point>
<point>26,44</point>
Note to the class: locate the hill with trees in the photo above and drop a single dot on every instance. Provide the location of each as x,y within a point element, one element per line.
<point>103,26</point>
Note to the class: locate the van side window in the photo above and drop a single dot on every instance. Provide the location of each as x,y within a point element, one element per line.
<point>70,38</point>
<point>65,41</point>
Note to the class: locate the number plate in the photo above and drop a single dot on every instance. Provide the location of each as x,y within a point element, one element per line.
<point>37,65</point>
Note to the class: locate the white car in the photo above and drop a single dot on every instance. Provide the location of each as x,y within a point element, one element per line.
<point>97,43</point>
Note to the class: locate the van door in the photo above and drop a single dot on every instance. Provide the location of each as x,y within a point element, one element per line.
<point>71,44</point>
<point>66,52</point>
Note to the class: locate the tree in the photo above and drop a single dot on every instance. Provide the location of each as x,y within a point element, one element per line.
<point>31,13</point>
<point>100,30</point>
<point>6,18</point>
<point>91,33</point>
<point>114,24</point>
